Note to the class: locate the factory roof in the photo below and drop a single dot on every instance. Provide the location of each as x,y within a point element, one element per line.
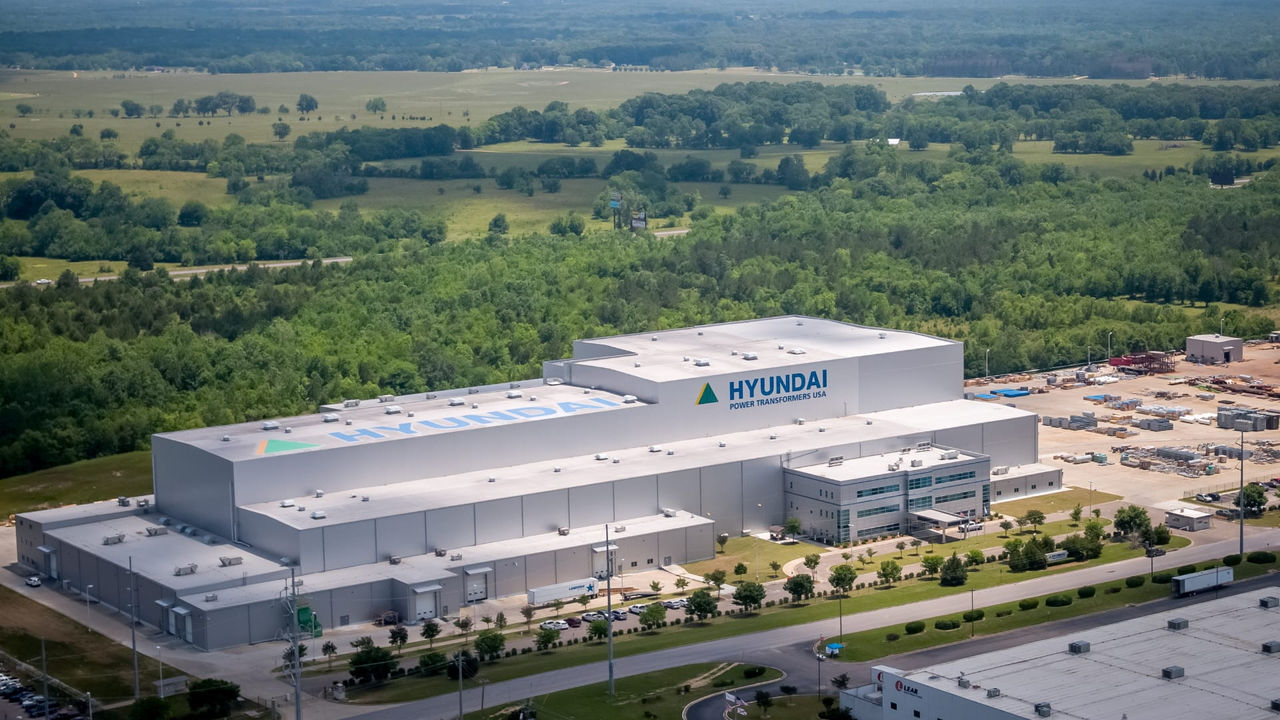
<point>617,464</point>
<point>102,509</point>
<point>1227,673</point>
<point>1211,337</point>
<point>921,458</point>
<point>764,344</point>
<point>157,556</point>
<point>416,569</point>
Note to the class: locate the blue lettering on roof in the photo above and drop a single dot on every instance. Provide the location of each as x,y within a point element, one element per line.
<point>404,427</point>
<point>357,435</point>
<point>453,422</point>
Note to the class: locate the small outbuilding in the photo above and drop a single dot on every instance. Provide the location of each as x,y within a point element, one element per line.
<point>1188,519</point>
<point>1214,349</point>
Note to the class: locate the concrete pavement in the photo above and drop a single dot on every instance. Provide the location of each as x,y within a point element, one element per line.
<point>183,274</point>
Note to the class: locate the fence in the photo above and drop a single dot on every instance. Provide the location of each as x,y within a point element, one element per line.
<point>35,673</point>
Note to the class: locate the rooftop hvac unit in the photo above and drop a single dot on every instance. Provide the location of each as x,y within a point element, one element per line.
<point>701,362</point>
<point>1271,647</point>
<point>668,512</point>
<point>286,503</point>
<point>773,436</point>
<point>562,531</point>
<point>795,351</point>
<point>835,461</point>
<point>165,521</point>
<point>514,394</point>
<point>122,501</point>
<point>211,597</point>
<point>330,417</point>
<point>188,569</point>
<point>441,552</point>
<point>113,539</point>
<point>964,683</point>
<point>799,421</point>
<point>1044,709</point>
<point>455,402</point>
<point>993,692</point>
<point>288,430</point>
<point>1000,470</point>
<point>601,456</point>
<point>386,398</point>
<point>750,356</point>
<point>1269,601</point>
<point>270,425</point>
<point>951,455</point>
<point>1275,704</point>
<point>455,557</point>
<point>229,560</point>
<point>721,444</point>
<point>157,530</point>
<point>883,335</point>
<point>917,462</point>
<point>1079,647</point>
<point>1173,672</point>
<point>319,493</point>
<point>209,540</point>
<point>629,399</point>
<point>619,528</point>
<point>655,448</point>
<point>393,410</point>
<point>553,381</point>
<point>226,438</point>
<point>493,479</point>
<point>318,514</point>
<point>350,403</point>
<point>395,559</point>
<point>364,498</point>
<point>297,582</point>
<point>143,502</point>
<point>1178,624</point>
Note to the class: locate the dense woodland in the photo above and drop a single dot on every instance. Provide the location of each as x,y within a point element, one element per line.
<point>986,38</point>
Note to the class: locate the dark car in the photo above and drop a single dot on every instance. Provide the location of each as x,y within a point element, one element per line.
<point>619,615</point>
<point>574,622</point>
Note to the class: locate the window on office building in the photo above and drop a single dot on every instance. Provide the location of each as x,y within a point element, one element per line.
<point>920,503</point>
<point>883,509</point>
<point>882,490</point>
<point>920,482</point>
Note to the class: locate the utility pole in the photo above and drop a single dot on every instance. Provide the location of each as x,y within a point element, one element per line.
<point>1240,497</point>
<point>44,677</point>
<point>297,659</point>
<point>133,626</point>
<point>461,714</point>
<point>608,599</point>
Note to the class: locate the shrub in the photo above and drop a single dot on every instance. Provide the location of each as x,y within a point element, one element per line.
<point>946,624</point>
<point>753,672</point>
<point>1186,569</point>
<point>1028,604</point>
<point>1003,613</point>
<point>1232,560</point>
<point>1136,581</point>
<point>1057,601</point>
<point>892,637</point>
<point>1163,578</point>
<point>1113,589</point>
<point>1087,591</point>
<point>1261,557</point>
<point>974,615</point>
<point>915,628</point>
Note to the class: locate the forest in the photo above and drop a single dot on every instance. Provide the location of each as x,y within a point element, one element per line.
<point>985,38</point>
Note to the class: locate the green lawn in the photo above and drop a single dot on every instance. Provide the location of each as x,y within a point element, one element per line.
<point>796,707</point>
<point>656,694</point>
<point>755,554</point>
<point>81,482</point>
<point>991,536</point>
<point>1054,502</point>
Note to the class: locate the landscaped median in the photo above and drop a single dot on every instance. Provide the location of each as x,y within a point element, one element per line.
<point>993,619</point>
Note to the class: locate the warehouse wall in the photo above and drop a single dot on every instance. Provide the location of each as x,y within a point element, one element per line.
<point>401,535</point>
<point>590,505</point>
<point>268,535</point>
<point>545,512</point>
<point>193,485</point>
<point>349,544</point>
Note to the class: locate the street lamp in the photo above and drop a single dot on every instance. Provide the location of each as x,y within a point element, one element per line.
<point>87,588</point>
<point>1090,497</point>
<point>755,547</point>
<point>160,658</point>
<point>1240,497</point>
<point>1109,334</point>
<point>820,658</point>
<point>986,364</point>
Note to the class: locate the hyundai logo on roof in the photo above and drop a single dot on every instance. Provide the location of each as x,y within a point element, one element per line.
<point>453,422</point>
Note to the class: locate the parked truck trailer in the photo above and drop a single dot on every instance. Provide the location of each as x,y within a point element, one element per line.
<point>1192,583</point>
<point>562,591</point>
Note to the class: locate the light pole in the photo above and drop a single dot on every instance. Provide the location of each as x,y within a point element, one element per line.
<point>87,588</point>
<point>89,695</point>
<point>986,364</point>
<point>1240,497</point>
<point>160,658</point>
<point>820,658</point>
<point>755,547</point>
<point>1088,354</point>
<point>972,618</point>
<point>1109,334</point>
<point>1090,497</point>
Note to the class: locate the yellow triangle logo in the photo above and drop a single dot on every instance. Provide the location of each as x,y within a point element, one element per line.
<point>707,396</point>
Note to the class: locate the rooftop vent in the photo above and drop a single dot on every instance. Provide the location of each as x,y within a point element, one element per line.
<point>1078,647</point>
<point>655,448</point>
<point>429,396</point>
<point>188,569</point>
<point>113,539</point>
<point>493,479</point>
<point>617,460</point>
<point>722,443</point>
<point>229,560</point>
<point>835,461</point>
<point>395,559</point>
<point>319,493</point>
<point>554,381</point>
<point>226,438</point>
<point>301,508</point>
<point>628,399</point>
<point>209,540</point>
<point>441,552</point>
<point>619,528</point>
<point>286,503</point>
<point>1275,704</point>
<point>348,422</point>
<point>601,456</point>
<point>951,455</point>
<point>288,430</point>
<point>635,364</point>
<point>393,410</point>
<point>917,462</point>
<point>157,530</point>
<point>701,362</point>
<point>475,405</point>
<point>555,468</point>
<point>270,425</point>
<point>773,436</point>
<point>329,417</point>
<point>799,322</point>
<point>963,682</point>
<point>410,413</point>
<point>562,531</point>
<point>653,338</point>
<point>350,403</point>
<point>318,515</point>
<point>472,391</point>
<point>211,597</point>
<point>796,351</point>
<point>668,512</point>
<point>455,557</point>
<point>297,582</point>
<point>799,421</point>
<point>1173,672</point>
<point>532,398</point>
<point>883,335</point>
<point>993,692</point>
<point>1269,602</point>
<point>514,394</point>
<point>750,356</point>
<point>671,452</point>
<point>455,402</point>
<point>364,498</point>
<point>386,398</point>
<point>1044,709</point>
<point>1178,624</point>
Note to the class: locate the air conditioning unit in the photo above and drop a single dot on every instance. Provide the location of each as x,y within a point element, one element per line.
<point>319,493</point>
<point>297,582</point>
<point>993,692</point>
<point>386,398</point>
<point>619,528</point>
<point>1271,647</point>
<point>1044,709</point>
<point>229,560</point>
<point>1173,672</point>
<point>350,403</point>
<point>286,503</point>
<point>188,569</point>
<point>318,514</point>
<point>122,501</point>
<point>601,456</point>
<point>964,683</point>
<point>668,512</point>
<point>513,394</point>
<point>270,425</point>
<point>455,402</point>
<point>330,417</point>
<point>113,539</point>
<point>1269,601</point>
<point>393,410</point>
<point>563,530</point>
<point>395,559</point>
<point>211,597</point>
<point>1079,647</point>
<point>1178,624</point>
<point>157,530</point>
<point>455,557</point>
<point>143,502</point>
<point>441,552</point>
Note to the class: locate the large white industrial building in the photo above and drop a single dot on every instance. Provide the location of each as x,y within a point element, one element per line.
<point>425,503</point>
<point>1216,659</point>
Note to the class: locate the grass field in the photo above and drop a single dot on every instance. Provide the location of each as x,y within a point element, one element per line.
<point>85,481</point>
<point>1055,502</point>
<point>656,694</point>
<point>755,554</point>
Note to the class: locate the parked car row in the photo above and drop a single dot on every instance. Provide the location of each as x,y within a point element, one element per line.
<point>1208,497</point>
<point>32,703</point>
<point>619,615</point>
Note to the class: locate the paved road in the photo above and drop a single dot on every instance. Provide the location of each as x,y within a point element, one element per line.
<point>191,272</point>
<point>671,233</point>
<point>771,647</point>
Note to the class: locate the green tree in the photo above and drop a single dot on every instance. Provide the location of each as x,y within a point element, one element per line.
<point>954,572</point>
<point>716,578</point>
<point>1076,513</point>
<point>212,697</point>
<point>288,657</point>
<point>902,548</point>
<point>498,225</point>
<point>307,104</point>
<point>24,109</point>
<point>740,569</point>
<point>1006,526</point>
<point>487,620</point>
<point>463,663</point>
<point>375,105</point>
<point>398,636</point>
<point>10,268</point>
<point>545,638</point>
<point>653,615</point>
<point>890,571</point>
<point>1131,520</point>
<point>585,600</point>
<point>915,545</point>
<point>1033,557</point>
<point>775,566</point>
<point>974,558</point>
<point>722,539</point>
<point>749,595</point>
<point>500,621</point>
<point>372,663</point>
<point>1034,518</point>
<point>155,111</point>
<point>132,109</point>
<point>764,701</point>
<point>527,612</point>
<point>842,578</point>
<point>798,587</point>
<point>329,649</point>
<point>490,643</point>
<point>701,605</point>
<point>149,708</point>
<point>931,564</point>
<point>598,630</point>
<point>791,527</point>
<point>1253,499</point>
<point>430,631</point>
<point>681,584</point>
<point>281,130</point>
<point>432,663</point>
<point>812,560</point>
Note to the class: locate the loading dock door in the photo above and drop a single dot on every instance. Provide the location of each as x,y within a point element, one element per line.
<point>166,619</point>
<point>478,583</point>
<point>181,618</point>
<point>424,600</point>
<point>50,561</point>
<point>600,560</point>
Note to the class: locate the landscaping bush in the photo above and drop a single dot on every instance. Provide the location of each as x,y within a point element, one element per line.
<point>1163,578</point>
<point>974,615</point>
<point>946,624</point>
<point>1136,581</point>
<point>1087,591</point>
<point>1057,601</point>
<point>753,672</point>
<point>891,637</point>
<point>1028,604</point>
<point>1261,557</point>
<point>1113,589</point>
<point>915,628</point>
<point>1232,560</point>
<point>1186,569</point>
<point>1003,613</point>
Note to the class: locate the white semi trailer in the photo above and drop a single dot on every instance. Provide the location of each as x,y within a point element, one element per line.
<point>562,591</point>
<point>1192,583</point>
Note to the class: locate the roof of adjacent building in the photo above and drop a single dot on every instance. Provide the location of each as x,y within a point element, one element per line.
<point>911,459</point>
<point>1210,337</point>
<point>1227,675</point>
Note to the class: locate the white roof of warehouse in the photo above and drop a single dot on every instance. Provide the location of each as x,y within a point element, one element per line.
<point>1213,338</point>
<point>929,456</point>
<point>1226,674</point>
<point>775,341</point>
<point>518,480</point>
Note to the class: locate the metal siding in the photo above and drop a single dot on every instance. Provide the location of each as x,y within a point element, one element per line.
<point>221,628</point>
<point>193,485</point>
<point>909,377</point>
<point>965,437</point>
<point>452,527</point>
<point>699,543</point>
<point>451,596</point>
<point>634,497</point>
<point>266,620</point>
<point>590,505</point>
<point>349,544</point>
<point>1011,441</point>
<point>360,602</point>
<point>509,577</point>
<point>268,535</point>
<point>545,512</point>
<point>679,490</point>
<point>671,544</point>
<point>722,496</point>
<point>498,520</point>
<point>762,503</point>
<point>310,556</point>
<point>540,569</point>
<point>401,535</point>
<point>571,564</point>
<point>641,550</point>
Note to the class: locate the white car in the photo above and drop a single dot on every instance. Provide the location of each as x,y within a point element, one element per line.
<point>675,604</point>
<point>33,581</point>
<point>637,608</point>
<point>554,625</point>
